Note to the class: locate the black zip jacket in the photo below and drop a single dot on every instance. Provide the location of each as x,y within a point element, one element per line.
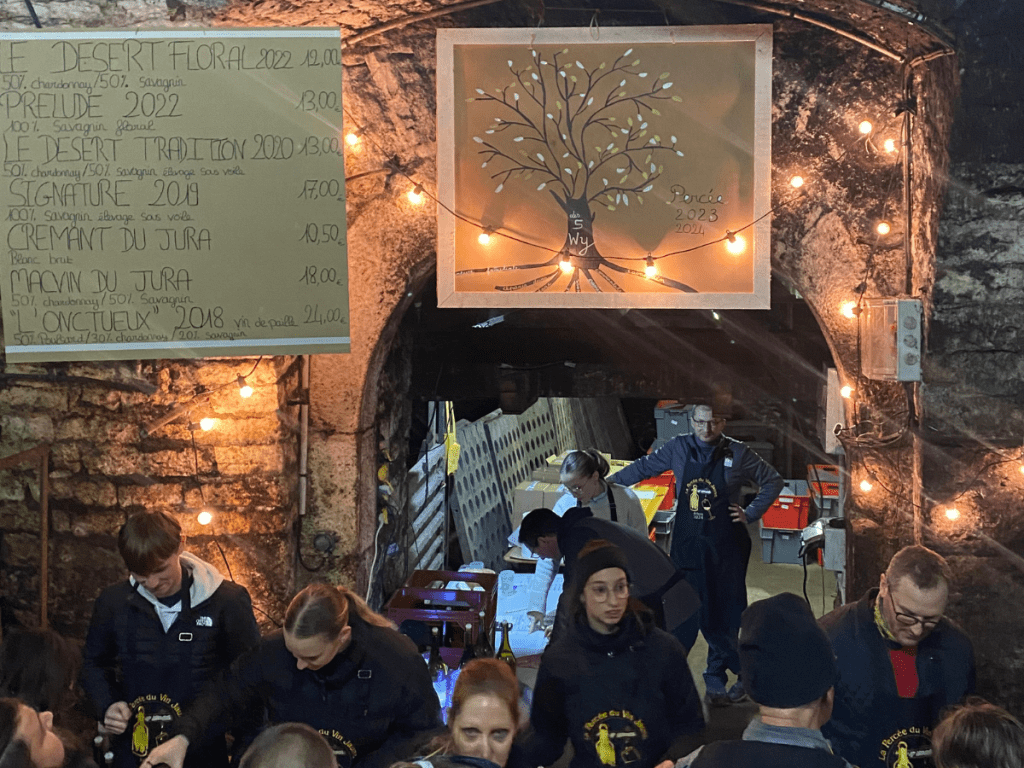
<point>374,702</point>
<point>622,699</point>
<point>869,718</point>
<point>129,657</point>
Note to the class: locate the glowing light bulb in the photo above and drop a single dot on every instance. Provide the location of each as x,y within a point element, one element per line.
<point>415,195</point>
<point>889,145</point>
<point>1022,469</point>
<point>244,390</point>
<point>484,237</point>
<point>204,518</point>
<point>796,182</point>
<point>207,424</point>
<point>715,315</point>
<point>565,265</point>
<point>865,127</point>
<point>846,391</point>
<point>735,244</point>
<point>352,138</point>
<point>866,486</point>
<point>883,228</point>
<point>651,269</point>
<point>953,513</point>
<point>848,309</point>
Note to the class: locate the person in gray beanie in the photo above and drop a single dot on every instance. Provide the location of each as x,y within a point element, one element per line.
<point>789,670</point>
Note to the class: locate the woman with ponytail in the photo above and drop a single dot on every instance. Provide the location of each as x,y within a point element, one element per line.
<point>583,476</point>
<point>336,666</point>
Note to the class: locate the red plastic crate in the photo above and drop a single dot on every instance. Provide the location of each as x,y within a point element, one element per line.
<point>788,513</point>
<point>825,490</point>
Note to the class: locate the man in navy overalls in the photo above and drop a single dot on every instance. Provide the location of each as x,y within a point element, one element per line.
<point>710,542</point>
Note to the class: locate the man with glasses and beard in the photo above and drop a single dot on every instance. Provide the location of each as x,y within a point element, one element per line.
<point>710,543</point>
<point>900,663</point>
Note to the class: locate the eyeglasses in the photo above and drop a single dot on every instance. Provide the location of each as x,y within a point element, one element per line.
<point>601,592</point>
<point>706,423</point>
<point>910,620</point>
<point>579,486</point>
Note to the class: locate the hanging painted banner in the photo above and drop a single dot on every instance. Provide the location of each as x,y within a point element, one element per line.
<point>620,167</point>
<point>172,194</point>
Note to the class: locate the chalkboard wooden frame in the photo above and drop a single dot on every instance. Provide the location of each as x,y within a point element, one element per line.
<point>576,159</point>
<point>173,194</point>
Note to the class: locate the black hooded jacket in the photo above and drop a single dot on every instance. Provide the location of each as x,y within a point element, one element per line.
<point>373,702</point>
<point>622,699</point>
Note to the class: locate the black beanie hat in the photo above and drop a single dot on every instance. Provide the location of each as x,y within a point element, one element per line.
<point>606,556</point>
<point>786,659</point>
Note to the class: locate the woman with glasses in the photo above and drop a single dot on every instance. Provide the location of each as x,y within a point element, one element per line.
<point>614,685</point>
<point>583,477</point>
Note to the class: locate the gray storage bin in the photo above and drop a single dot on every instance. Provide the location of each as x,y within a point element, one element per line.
<point>780,546</point>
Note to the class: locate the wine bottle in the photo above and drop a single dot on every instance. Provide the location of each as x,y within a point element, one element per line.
<point>468,652</point>
<point>505,651</point>
<point>484,647</point>
<point>438,669</point>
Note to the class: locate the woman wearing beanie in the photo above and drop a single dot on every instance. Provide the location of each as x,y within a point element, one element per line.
<point>613,684</point>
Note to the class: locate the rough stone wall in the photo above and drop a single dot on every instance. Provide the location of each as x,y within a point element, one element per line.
<point>973,395</point>
<point>104,467</point>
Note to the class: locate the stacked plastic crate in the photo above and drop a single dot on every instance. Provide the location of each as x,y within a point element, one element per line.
<point>782,523</point>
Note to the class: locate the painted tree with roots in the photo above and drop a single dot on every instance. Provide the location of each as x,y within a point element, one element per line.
<point>584,135</point>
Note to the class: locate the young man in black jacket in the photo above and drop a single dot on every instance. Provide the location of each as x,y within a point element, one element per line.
<point>158,638</point>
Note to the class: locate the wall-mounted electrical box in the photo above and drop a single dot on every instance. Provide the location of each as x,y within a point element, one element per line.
<point>890,339</point>
<point>830,413</point>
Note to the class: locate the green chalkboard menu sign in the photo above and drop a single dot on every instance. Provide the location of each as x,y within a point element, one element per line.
<point>172,194</point>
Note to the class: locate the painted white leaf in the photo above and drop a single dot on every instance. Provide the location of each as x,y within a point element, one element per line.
<point>481,91</point>
<point>534,76</point>
<point>653,167</point>
<point>510,62</point>
<point>580,65</point>
<point>478,140</point>
<point>648,188</point>
<point>605,182</point>
<point>540,156</point>
<point>680,153</point>
<point>642,74</point>
<point>622,83</point>
<point>627,53</point>
<point>590,101</point>
<point>489,131</point>
<point>610,145</point>
<point>666,85</point>
<point>673,139</point>
<point>567,171</point>
<point>620,170</point>
<point>515,96</point>
<point>518,138</point>
<point>643,125</point>
<point>625,201</point>
<point>499,188</point>
<point>550,116</point>
<point>590,164</point>
<point>542,186</point>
